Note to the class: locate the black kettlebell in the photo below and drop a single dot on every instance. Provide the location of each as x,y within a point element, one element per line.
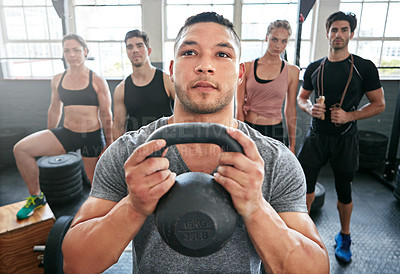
<point>196,216</point>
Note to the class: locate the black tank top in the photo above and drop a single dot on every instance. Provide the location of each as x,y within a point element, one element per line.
<point>86,96</point>
<point>145,104</point>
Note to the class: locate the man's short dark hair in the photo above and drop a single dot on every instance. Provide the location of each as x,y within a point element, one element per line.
<point>140,34</point>
<point>207,17</point>
<point>341,16</point>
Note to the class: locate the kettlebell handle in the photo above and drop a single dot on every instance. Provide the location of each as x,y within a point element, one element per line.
<point>185,133</point>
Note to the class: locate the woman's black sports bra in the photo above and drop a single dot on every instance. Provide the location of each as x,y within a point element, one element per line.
<point>86,96</point>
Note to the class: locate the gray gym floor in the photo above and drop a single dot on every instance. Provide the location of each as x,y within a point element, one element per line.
<point>375,224</point>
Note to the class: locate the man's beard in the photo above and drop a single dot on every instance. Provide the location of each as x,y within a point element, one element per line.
<point>197,107</point>
<point>344,45</point>
<point>137,64</point>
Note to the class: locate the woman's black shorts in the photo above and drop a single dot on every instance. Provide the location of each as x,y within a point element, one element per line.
<point>90,143</point>
<point>273,131</point>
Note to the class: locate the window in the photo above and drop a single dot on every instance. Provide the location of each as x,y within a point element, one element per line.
<point>255,18</point>
<point>377,34</point>
<point>105,37</point>
<point>257,15</point>
<point>177,11</point>
<point>32,34</point>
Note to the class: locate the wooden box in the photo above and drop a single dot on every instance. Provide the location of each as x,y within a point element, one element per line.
<point>18,237</point>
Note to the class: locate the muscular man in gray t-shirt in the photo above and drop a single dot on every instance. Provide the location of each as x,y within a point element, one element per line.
<point>265,182</point>
<point>283,188</point>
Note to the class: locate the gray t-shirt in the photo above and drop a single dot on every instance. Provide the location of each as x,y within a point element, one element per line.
<point>284,188</point>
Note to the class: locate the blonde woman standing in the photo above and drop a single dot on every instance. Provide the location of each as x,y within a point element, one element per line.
<point>269,81</point>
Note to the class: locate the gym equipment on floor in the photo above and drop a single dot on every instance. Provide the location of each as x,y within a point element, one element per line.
<point>53,257</point>
<point>373,146</point>
<point>18,238</point>
<point>319,199</point>
<point>387,178</point>
<point>60,179</point>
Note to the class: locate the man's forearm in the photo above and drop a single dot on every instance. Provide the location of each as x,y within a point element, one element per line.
<point>106,120</point>
<point>118,129</point>
<point>305,105</point>
<point>282,249</point>
<point>94,245</point>
<point>366,111</point>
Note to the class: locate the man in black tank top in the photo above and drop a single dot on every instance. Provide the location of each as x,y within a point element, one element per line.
<point>145,95</point>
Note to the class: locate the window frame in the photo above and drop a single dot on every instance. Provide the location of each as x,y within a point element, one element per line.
<point>5,40</point>
<point>237,22</point>
<point>313,41</point>
<point>357,39</point>
<point>71,25</point>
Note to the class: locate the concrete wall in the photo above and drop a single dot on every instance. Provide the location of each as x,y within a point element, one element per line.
<point>24,104</point>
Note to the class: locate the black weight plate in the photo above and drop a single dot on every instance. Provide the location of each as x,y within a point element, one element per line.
<point>70,198</point>
<point>371,165</point>
<point>53,257</point>
<point>85,178</point>
<point>319,197</point>
<point>380,154</point>
<point>371,138</point>
<point>372,150</point>
<point>60,163</point>
<point>66,181</point>
<point>373,159</point>
<point>61,188</point>
<point>64,192</point>
<point>65,199</point>
<point>59,176</point>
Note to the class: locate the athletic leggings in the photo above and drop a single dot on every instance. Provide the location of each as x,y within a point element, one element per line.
<point>343,182</point>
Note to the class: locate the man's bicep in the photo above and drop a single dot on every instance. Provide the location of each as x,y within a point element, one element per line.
<point>119,105</point>
<point>92,208</point>
<point>304,94</point>
<point>302,223</point>
<point>375,95</point>
<point>119,112</point>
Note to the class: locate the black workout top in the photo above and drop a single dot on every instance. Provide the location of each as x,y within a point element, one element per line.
<point>86,96</point>
<point>262,81</point>
<point>365,78</point>
<point>145,104</point>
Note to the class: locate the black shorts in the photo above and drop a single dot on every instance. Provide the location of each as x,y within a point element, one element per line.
<point>340,150</point>
<point>273,131</point>
<point>90,143</point>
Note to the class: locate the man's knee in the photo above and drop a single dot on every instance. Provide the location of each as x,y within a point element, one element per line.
<point>343,181</point>
<point>311,174</point>
<point>345,198</point>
